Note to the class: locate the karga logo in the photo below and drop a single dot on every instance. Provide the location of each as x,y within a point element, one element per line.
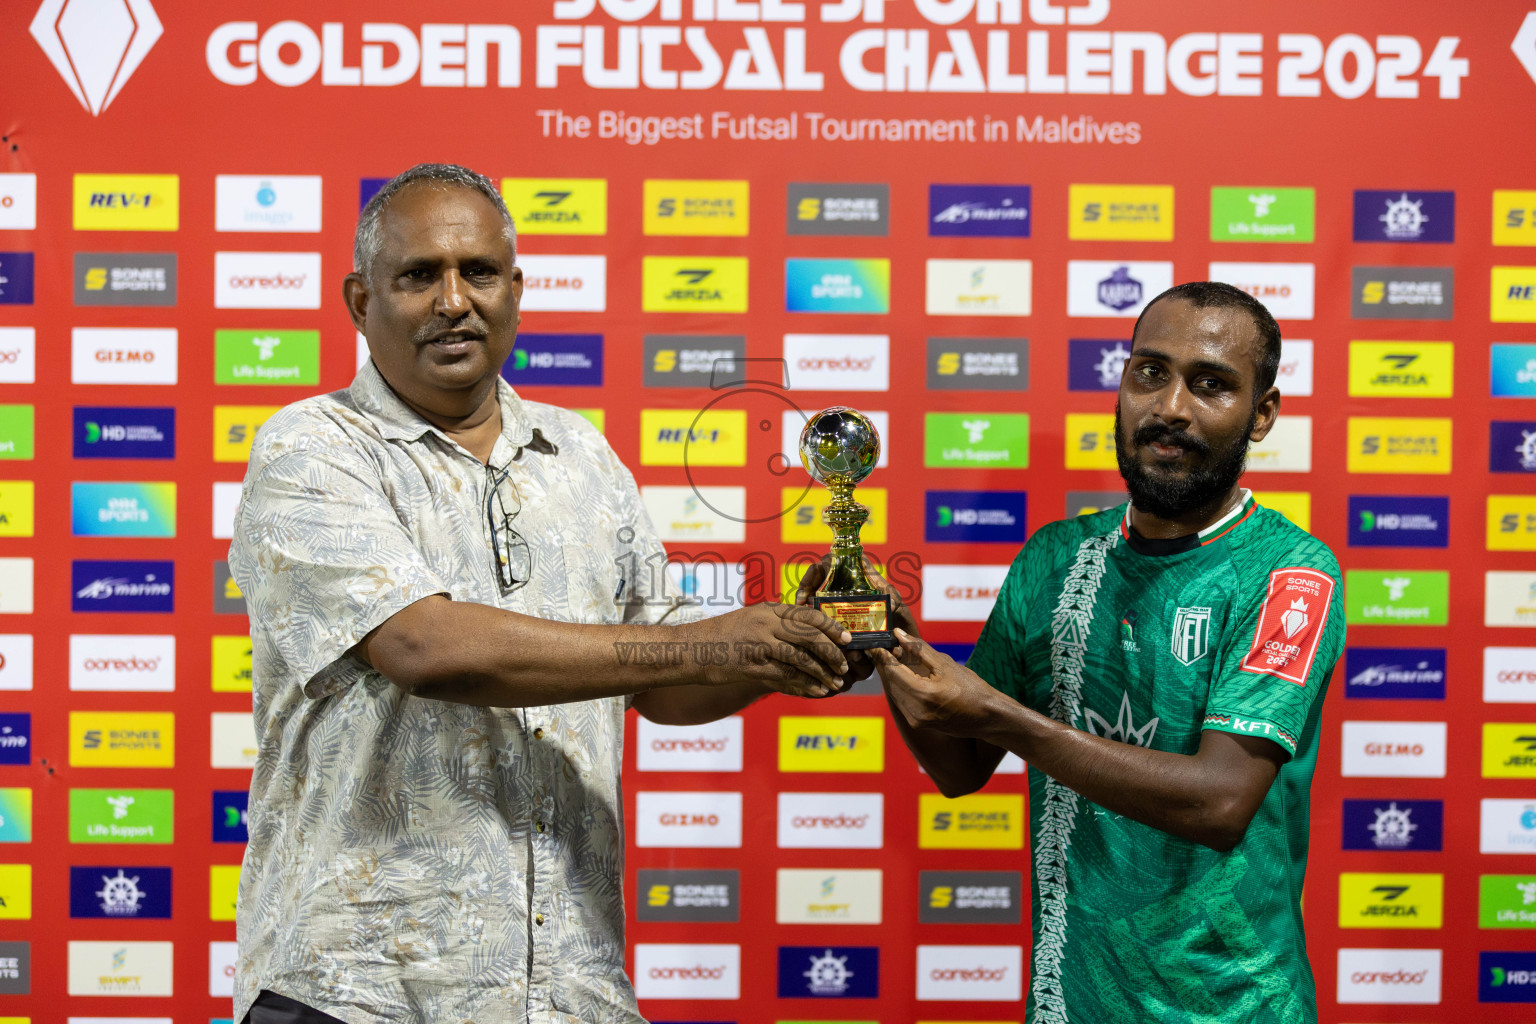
<point>96,45</point>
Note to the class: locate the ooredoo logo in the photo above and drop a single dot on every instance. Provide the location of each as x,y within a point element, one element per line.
<point>1389,976</point>
<point>966,973</point>
<point>715,747</point>
<point>266,280</point>
<point>831,821</point>
<point>122,663</point>
<point>688,819</point>
<point>1509,675</point>
<point>838,362</point>
<point>96,46</point>
<point>682,971</point>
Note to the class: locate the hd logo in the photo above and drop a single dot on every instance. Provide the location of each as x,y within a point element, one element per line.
<point>1509,750</point>
<point>694,284</point>
<point>991,822</point>
<point>831,744</point>
<point>1401,369</point>
<point>1391,901</point>
<point>557,206</point>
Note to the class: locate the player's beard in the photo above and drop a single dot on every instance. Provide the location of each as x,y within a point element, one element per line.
<point>1169,495</point>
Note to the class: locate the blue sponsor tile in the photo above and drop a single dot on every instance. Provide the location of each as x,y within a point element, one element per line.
<point>982,516</point>
<point>124,432</point>
<point>1386,521</point>
<point>15,279</point>
<point>1398,826</point>
<point>1512,446</point>
<point>122,586</point>
<point>556,360</point>
<point>1094,364</point>
<point>1506,977</point>
<point>1394,673</point>
<point>829,972</point>
<point>229,816</point>
<point>995,211</point>
<point>15,739</point>
<point>1404,215</point>
<point>119,892</point>
<point>1512,370</point>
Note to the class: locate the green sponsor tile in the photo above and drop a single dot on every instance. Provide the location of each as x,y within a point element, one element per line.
<point>16,431</point>
<point>979,440</point>
<point>266,357</point>
<point>1262,214</point>
<point>121,816</point>
<point>1407,598</point>
<point>1506,901</point>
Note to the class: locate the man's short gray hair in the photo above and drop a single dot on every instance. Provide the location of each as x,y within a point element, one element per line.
<point>368,241</point>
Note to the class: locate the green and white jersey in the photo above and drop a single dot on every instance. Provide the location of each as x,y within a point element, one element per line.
<point>1151,642</point>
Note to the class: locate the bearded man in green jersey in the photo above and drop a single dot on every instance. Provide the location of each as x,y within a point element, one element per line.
<point>1161,666</point>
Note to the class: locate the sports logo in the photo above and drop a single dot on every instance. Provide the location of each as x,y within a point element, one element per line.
<point>689,895</point>
<point>828,896</point>
<point>125,279</point>
<point>838,362</point>
<point>229,815</point>
<point>1398,750</point>
<point>1399,444</point>
<point>121,816</point>
<point>268,202</point>
<point>102,739</point>
<point>1394,673</point>
<point>837,286</point>
<point>978,287</point>
<point>96,49</point>
<point>975,822</point>
<point>1285,289</point>
<point>119,892</point>
<point>713,747</point>
<point>1512,446</point>
<point>1115,289</point>
<point>1506,977</point>
<point>1391,901</point>
<point>970,973</point>
<point>118,586</point>
<point>993,211</point>
<point>18,202</point>
<point>996,517</point>
<point>1511,522</point>
<point>970,897</point>
<point>556,360</point>
<point>123,355</point>
<point>1096,365</point>
<point>1084,503</point>
<point>564,284</point>
<point>1403,293</point>
<point>1192,631</point>
<point>557,206</point>
<point>227,599</point>
<point>1090,440</point>
<point>681,819</point>
<point>831,744</point>
<point>694,284</point>
<point>16,278</point>
<point>1381,521</point>
<point>816,209</point>
<point>675,971</point>
<point>1262,214</point>
<point>1291,624</point>
<point>15,815</point>
<point>829,972</point>
<point>1514,217</point>
<point>15,968</point>
<point>1513,298</point>
<point>697,208</point>
<point>1393,825</point>
<point>1416,598</point>
<point>223,892</point>
<point>978,364</point>
<point>234,430</point>
<point>266,357</point>
<point>1294,505</point>
<point>692,360</point>
<point>1402,216</point>
<point>127,202</point>
<point>1399,976</point>
<point>981,440</point>
<point>826,821</point>
<point>123,509</point>
<point>1134,213</point>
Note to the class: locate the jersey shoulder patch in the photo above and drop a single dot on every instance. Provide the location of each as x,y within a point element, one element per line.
<point>1290,624</point>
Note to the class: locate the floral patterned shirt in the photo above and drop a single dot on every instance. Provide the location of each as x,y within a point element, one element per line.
<point>415,860</point>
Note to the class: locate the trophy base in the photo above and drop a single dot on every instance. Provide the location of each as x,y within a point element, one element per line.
<point>863,617</point>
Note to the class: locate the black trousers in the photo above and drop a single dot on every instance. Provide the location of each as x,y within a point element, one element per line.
<point>271,1008</point>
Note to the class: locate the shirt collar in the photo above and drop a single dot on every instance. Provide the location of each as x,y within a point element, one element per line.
<point>1174,545</point>
<point>399,422</point>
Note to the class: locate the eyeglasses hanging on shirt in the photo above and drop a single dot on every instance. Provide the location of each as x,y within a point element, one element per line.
<point>514,560</point>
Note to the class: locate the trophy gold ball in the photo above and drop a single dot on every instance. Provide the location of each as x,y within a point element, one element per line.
<point>839,447</point>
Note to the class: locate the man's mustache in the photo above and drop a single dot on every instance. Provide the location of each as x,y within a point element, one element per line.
<point>1153,434</point>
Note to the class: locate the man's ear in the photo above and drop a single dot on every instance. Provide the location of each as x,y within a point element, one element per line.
<point>354,292</point>
<point>1265,415</point>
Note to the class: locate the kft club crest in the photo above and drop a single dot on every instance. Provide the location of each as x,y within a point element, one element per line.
<point>1192,634</point>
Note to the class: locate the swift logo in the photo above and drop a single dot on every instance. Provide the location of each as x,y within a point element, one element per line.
<point>96,47</point>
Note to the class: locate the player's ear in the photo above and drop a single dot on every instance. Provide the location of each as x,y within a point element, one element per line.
<point>1264,415</point>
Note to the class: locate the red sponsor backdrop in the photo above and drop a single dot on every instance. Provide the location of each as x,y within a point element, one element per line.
<point>1217,122</point>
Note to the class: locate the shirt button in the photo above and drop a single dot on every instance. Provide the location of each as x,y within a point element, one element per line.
<point>539,825</point>
<point>538,734</point>
<point>538,919</point>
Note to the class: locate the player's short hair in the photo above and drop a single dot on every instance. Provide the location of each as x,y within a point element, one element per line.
<point>368,240</point>
<point>1206,294</point>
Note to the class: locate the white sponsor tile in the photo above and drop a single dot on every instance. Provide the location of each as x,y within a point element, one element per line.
<point>712,747</point>
<point>961,593</point>
<point>123,355</point>
<point>970,973</point>
<point>687,971</point>
<point>688,819</point>
<point>266,280</point>
<point>122,662</point>
<point>564,284</point>
<point>1389,976</point>
<point>838,362</point>
<point>267,202</point>
<point>828,821</point>
<point>1394,750</point>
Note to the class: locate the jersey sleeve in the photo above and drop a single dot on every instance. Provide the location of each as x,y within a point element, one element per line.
<point>1287,633</point>
<point>999,654</point>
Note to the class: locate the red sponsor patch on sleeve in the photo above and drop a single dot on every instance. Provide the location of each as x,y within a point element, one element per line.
<point>1291,624</point>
